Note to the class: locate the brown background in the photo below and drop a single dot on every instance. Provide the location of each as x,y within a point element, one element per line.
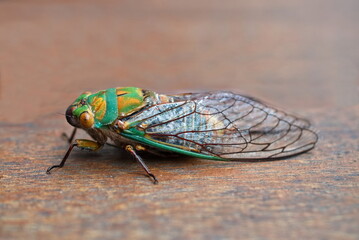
<point>300,55</point>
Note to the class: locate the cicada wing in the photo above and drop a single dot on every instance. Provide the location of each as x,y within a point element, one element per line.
<point>226,125</point>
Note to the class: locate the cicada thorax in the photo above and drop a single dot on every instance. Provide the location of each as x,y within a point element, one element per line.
<point>118,103</point>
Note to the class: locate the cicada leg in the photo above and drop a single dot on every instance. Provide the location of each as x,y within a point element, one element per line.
<point>71,138</point>
<point>130,149</point>
<point>80,143</point>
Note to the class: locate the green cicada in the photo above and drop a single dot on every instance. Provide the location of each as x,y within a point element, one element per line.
<point>213,125</point>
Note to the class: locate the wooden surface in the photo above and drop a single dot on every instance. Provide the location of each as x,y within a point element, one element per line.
<point>302,56</point>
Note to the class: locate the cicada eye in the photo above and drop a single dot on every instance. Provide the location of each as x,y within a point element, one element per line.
<point>70,116</point>
<point>86,120</point>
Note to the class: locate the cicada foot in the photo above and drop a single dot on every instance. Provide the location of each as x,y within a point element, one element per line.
<point>131,150</point>
<point>155,181</point>
<point>48,171</point>
<point>80,143</point>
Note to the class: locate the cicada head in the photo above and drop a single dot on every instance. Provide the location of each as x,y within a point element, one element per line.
<point>93,110</point>
<point>79,114</point>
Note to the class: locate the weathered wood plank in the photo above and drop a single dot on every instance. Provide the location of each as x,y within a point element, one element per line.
<point>302,56</point>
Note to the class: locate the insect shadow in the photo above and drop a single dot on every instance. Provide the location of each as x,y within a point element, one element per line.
<point>114,157</point>
<point>119,159</point>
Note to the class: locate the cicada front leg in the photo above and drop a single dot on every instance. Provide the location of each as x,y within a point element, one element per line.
<point>80,143</point>
<point>67,138</point>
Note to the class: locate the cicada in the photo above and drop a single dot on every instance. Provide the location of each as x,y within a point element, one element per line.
<point>211,125</point>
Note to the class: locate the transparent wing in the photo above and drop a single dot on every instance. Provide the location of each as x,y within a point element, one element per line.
<point>226,125</point>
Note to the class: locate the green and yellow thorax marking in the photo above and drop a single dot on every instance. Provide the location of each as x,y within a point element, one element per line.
<point>129,100</point>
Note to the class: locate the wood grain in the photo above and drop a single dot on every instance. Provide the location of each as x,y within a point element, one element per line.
<point>301,56</point>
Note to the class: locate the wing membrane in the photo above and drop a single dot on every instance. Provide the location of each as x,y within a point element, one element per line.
<point>226,125</point>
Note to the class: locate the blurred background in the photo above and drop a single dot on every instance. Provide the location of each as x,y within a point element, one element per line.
<point>51,51</point>
<point>302,56</point>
